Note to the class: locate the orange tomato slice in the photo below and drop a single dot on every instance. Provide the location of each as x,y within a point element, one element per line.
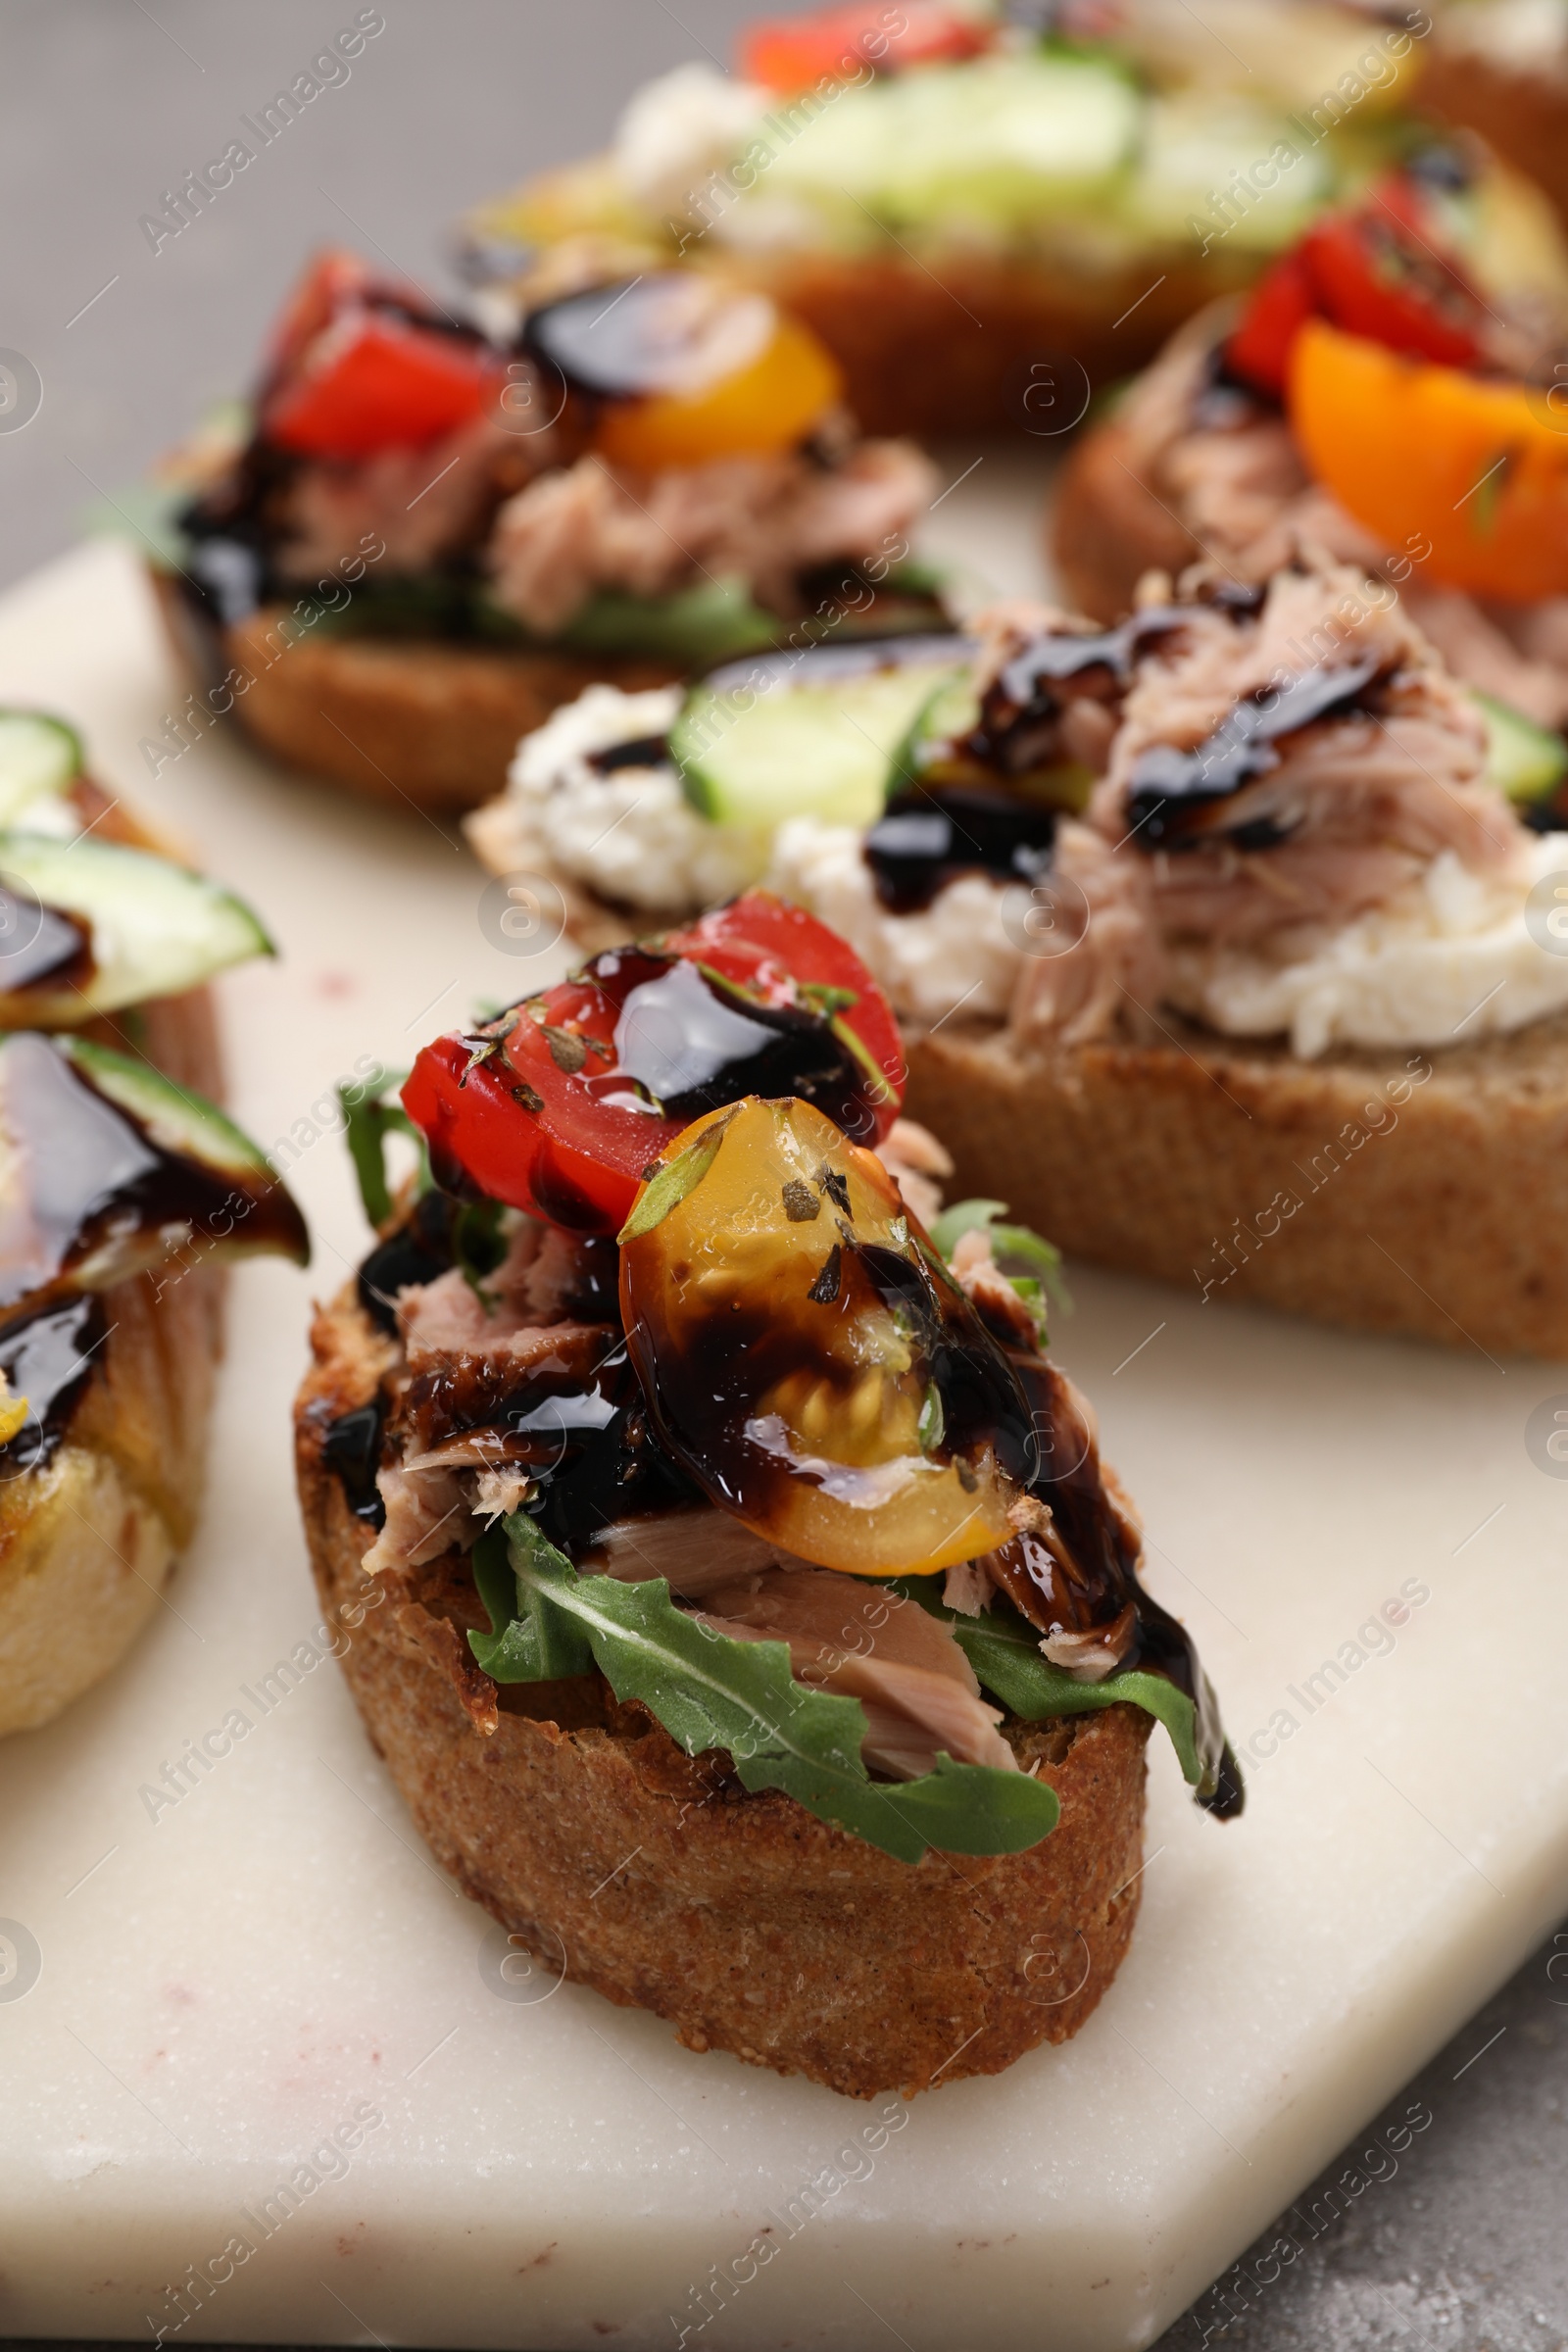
<point>768,403</point>
<point>1422,454</point>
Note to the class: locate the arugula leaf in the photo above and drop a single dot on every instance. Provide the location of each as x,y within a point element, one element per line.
<point>532,1641</point>
<point>367,1121</point>
<point>1005,1651</point>
<point>709,1690</point>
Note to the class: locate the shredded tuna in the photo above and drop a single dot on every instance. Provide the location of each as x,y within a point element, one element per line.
<point>919,1167</point>
<point>695,1550</point>
<point>1083,975</point>
<point>968,1587</point>
<point>762,519</point>
<point>1241,489</point>
<point>1360,802</point>
<point>425,1514</point>
<point>421,505</point>
<point>846,1635</point>
<point>983,1282</point>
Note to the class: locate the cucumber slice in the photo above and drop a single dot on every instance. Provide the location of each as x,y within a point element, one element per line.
<point>1197,146</point>
<point>38,755</point>
<point>806,734</point>
<point>997,139</point>
<point>109,1170</point>
<point>181,1123</point>
<point>1523,761</point>
<point>952,708</point>
<point>156,928</point>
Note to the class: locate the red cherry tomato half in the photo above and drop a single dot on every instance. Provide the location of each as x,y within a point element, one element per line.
<point>777,945</point>
<point>1281,304</point>
<point>1379,273</point>
<point>362,365</point>
<point>789,53</point>
<point>562,1106</point>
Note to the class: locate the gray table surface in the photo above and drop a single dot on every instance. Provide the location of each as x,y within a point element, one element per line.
<point>104,104</point>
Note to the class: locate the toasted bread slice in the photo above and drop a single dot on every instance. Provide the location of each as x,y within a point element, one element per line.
<point>1519,107</point>
<point>89,1536</point>
<point>1109,526</point>
<point>407,719</point>
<point>1393,1189</point>
<point>970,343</point>
<point>658,1880</point>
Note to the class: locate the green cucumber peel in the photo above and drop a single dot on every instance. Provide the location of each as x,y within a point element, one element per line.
<point>1005,1651</point>
<point>1524,761</point>
<point>157,929</point>
<point>176,1120</point>
<point>711,1691</point>
<point>39,758</point>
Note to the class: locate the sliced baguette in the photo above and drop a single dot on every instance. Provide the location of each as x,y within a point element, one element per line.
<point>89,1539</point>
<point>658,1880</point>
<point>404,720</point>
<point>1435,1205</point>
<point>1109,526</point>
<point>964,342</point>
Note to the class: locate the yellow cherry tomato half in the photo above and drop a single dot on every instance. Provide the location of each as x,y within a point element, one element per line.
<point>805,1358</point>
<point>783,381</point>
<point>1430,456</point>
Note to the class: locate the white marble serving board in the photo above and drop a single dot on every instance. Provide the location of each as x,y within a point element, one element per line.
<point>223,1986</point>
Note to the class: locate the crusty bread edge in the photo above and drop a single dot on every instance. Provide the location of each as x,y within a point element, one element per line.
<point>657,1880</point>
<point>1411,1191</point>
<point>411,722</point>
<point>89,1540</point>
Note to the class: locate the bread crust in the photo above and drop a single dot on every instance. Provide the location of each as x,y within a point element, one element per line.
<point>953,342</point>
<point>409,719</point>
<point>1355,1189</point>
<point>1521,111</point>
<point>658,1880</point>
<point>1109,526</point>
<point>89,1540</point>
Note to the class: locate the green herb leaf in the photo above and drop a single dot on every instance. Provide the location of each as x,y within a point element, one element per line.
<point>1012,1246</point>
<point>531,1640</point>
<point>669,1188</point>
<point>1005,1651</point>
<point>367,1121</point>
<point>822,997</point>
<point>711,1691</point>
<point>877,1079</point>
<point>566,1052</point>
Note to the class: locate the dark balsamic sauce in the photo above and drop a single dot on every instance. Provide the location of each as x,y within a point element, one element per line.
<point>41,947</point>
<point>624,342</point>
<point>87,1178</point>
<point>1021,709</point>
<point>705,1408</point>
<point>927,837</point>
<point>1103,1581</point>
<point>577,1424</point>
<point>48,1359</point>
<point>686,1042</point>
<point>645,750</point>
<point>1174,795</point>
<point>352,1447</point>
<point>416,1252</point>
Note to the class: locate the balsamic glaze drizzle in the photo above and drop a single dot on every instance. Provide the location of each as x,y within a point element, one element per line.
<point>1173,793</point>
